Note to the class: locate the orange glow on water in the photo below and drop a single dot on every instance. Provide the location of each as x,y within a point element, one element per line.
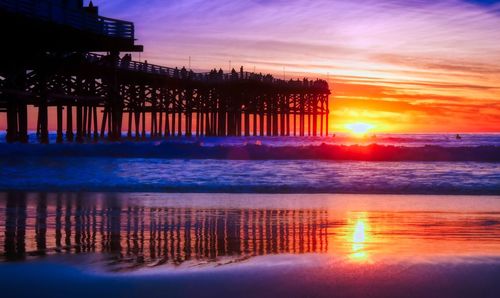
<point>360,236</point>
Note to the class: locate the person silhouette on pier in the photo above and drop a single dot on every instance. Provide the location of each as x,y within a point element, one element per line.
<point>126,60</point>
<point>234,74</point>
<point>114,58</point>
<point>183,72</point>
<point>213,74</point>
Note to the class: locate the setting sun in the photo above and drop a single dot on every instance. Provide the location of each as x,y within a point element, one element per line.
<point>359,128</point>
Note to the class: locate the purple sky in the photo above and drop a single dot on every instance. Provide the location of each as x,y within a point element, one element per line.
<point>418,63</point>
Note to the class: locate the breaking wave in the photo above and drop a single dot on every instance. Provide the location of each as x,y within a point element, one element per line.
<point>169,150</point>
<point>409,165</point>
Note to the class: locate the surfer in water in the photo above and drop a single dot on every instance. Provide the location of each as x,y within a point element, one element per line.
<point>458,137</point>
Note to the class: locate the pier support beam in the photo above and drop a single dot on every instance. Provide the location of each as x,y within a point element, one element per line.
<point>69,123</point>
<point>43,119</point>
<point>59,137</point>
<point>79,123</point>
<point>12,121</point>
<point>23,122</point>
<point>96,125</point>
<point>327,116</point>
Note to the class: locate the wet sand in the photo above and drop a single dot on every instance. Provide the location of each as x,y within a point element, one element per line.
<point>219,245</point>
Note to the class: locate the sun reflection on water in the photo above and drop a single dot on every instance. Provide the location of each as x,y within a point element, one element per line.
<point>359,237</point>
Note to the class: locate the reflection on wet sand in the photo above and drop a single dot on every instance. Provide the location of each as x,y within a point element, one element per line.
<point>137,235</point>
<point>359,237</point>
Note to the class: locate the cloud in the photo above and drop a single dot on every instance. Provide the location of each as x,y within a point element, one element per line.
<point>442,53</point>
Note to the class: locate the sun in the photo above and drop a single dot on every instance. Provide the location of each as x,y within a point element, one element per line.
<point>359,129</point>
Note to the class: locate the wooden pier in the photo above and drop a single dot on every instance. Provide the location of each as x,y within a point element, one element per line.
<point>100,96</point>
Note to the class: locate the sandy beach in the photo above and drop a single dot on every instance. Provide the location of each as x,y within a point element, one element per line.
<point>212,245</point>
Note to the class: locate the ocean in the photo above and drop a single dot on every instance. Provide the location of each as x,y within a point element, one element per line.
<point>385,216</point>
<point>387,164</point>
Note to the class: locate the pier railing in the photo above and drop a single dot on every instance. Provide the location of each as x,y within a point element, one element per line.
<point>78,19</point>
<point>188,74</point>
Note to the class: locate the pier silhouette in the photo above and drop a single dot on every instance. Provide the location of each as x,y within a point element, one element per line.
<point>50,64</point>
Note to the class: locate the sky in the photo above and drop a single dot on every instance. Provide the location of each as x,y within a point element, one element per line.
<point>401,66</point>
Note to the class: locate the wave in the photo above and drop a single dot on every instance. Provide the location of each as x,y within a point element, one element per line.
<point>169,150</point>
<point>407,140</point>
<point>261,189</point>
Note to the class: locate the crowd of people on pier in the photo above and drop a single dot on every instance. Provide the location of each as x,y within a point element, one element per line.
<point>126,62</point>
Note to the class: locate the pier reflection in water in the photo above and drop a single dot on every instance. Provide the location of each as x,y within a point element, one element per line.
<point>41,224</point>
<point>135,231</point>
